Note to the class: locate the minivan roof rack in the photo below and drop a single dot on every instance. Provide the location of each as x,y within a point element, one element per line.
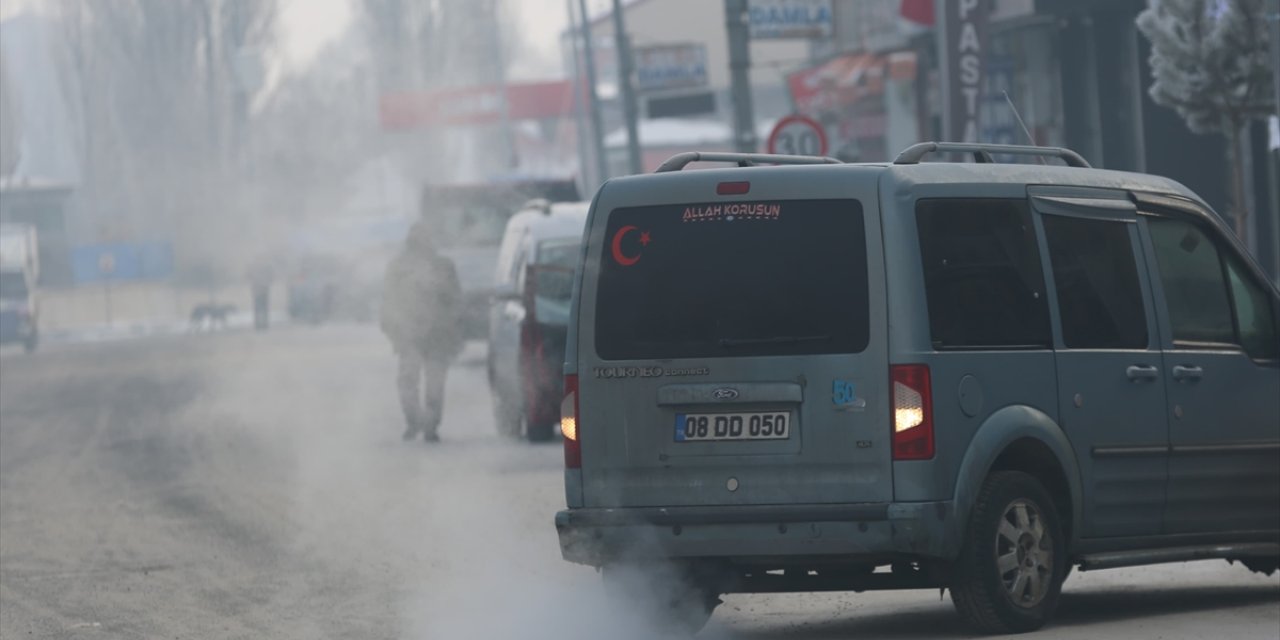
<point>982,152</point>
<point>681,160</point>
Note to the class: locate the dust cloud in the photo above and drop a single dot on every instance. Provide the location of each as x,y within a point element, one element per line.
<point>229,157</point>
<point>454,540</point>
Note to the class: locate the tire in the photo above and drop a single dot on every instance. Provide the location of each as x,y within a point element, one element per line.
<point>1265,566</point>
<point>675,600</point>
<point>1014,518</point>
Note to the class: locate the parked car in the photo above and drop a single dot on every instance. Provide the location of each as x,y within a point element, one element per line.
<point>969,376</point>
<point>18,311</point>
<point>470,218</point>
<point>529,316</point>
<point>19,273</point>
<point>474,266</point>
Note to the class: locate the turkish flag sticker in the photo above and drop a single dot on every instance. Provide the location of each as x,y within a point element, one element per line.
<point>619,255</point>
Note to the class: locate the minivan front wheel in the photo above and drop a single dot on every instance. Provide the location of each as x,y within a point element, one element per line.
<point>1265,566</point>
<point>1013,561</point>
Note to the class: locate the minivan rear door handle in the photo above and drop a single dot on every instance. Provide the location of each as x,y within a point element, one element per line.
<point>1142,372</point>
<point>1183,373</point>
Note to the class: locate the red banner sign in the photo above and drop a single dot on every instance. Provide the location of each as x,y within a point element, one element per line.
<point>475,105</point>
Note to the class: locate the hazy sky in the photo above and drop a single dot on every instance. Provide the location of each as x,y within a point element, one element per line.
<point>309,24</point>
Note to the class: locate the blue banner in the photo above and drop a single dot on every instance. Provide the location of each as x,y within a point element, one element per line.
<point>121,261</point>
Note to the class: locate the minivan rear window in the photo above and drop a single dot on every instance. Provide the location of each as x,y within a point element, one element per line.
<point>733,279</point>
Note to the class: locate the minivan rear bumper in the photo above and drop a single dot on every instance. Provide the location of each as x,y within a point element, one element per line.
<point>596,536</point>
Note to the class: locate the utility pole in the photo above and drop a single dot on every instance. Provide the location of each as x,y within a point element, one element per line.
<point>744,127</point>
<point>512,159</point>
<point>212,25</point>
<point>579,109</point>
<point>625,68</point>
<point>1274,18</point>
<point>944,64</point>
<point>233,43</point>
<point>597,127</point>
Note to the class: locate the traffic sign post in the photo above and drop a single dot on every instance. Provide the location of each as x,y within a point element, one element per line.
<point>798,135</point>
<point>106,267</point>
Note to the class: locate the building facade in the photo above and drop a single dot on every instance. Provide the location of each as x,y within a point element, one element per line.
<point>1077,71</point>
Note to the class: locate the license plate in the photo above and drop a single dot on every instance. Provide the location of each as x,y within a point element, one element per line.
<point>707,427</point>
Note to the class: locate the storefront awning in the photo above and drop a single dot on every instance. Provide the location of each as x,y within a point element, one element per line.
<point>839,81</point>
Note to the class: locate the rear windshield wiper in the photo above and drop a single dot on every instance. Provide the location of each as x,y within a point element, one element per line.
<point>748,342</point>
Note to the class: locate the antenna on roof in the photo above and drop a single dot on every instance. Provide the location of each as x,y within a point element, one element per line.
<point>1022,124</point>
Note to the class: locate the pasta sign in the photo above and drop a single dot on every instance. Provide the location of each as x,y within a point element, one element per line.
<point>966,38</point>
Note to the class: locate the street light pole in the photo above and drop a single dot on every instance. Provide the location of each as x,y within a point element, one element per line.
<point>744,128</point>
<point>579,109</point>
<point>512,159</point>
<point>597,127</point>
<point>1274,18</point>
<point>625,68</point>
<point>944,64</point>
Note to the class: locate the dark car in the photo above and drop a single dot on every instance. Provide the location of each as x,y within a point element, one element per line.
<point>18,311</point>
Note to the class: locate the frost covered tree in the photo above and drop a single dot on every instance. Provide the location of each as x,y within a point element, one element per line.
<point>162,123</point>
<point>1210,62</point>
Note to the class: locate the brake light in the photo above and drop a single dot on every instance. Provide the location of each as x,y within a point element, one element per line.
<point>732,188</point>
<point>912,412</point>
<point>532,370</point>
<point>569,423</point>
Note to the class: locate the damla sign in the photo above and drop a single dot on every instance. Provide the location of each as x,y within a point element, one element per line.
<point>671,66</point>
<point>790,18</point>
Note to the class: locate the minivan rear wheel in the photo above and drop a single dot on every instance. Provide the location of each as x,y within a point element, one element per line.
<point>1013,561</point>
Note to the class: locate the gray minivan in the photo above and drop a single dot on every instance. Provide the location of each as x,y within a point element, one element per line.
<point>818,376</point>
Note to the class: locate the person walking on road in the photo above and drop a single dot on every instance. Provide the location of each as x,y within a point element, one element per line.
<point>421,316</point>
<point>260,277</point>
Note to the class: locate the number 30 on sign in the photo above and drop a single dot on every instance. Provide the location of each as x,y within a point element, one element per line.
<point>798,135</point>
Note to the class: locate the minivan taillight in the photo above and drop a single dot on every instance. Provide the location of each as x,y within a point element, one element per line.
<point>912,412</point>
<point>569,423</point>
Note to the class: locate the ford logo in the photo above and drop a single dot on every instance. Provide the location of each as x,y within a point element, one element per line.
<point>724,393</point>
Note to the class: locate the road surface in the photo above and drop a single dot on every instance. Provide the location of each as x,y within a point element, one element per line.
<point>254,486</point>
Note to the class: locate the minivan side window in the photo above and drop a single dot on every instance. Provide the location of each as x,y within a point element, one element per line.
<point>982,275</point>
<point>1255,315</point>
<point>1099,299</point>
<point>1195,287</point>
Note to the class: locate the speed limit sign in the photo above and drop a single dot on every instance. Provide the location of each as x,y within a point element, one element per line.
<point>106,263</point>
<point>798,135</point>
